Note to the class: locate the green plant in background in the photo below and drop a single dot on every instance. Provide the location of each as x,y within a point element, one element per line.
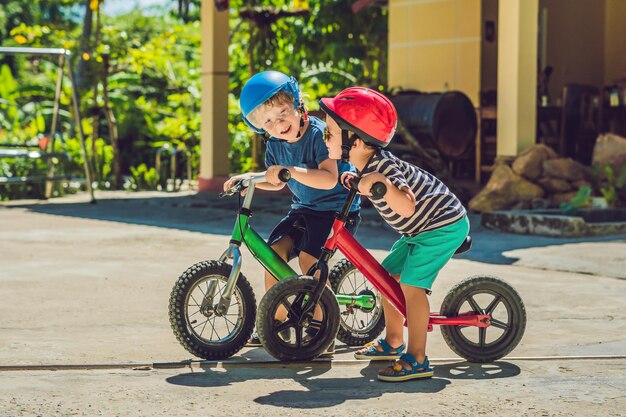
<point>580,200</point>
<point>611,184</point>
<point>143,178</point>
<point>19,167</point>
<point>153,73</point>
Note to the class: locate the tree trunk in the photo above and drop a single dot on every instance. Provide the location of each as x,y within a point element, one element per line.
<point>81,66</point>
<point>112,124</point>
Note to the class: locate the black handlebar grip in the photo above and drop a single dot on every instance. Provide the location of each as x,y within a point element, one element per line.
<point>353,182</point>
<point>378,190</point>
<point>284,175</point>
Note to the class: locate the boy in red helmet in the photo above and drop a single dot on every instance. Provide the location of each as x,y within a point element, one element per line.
<point>360,123</point>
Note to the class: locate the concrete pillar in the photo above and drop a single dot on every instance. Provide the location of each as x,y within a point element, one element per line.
<point>517,75</point>
<point>214,163</point>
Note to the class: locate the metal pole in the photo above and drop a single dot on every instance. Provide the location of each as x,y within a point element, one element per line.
<point>32,51</point>
<point>53,128</point>
<point>80,128</point>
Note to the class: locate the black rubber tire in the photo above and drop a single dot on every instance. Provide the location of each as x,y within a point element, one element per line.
<point>349,333</point>
<point>292,291</point>
<point>505,340</point>
<point>184,328</point>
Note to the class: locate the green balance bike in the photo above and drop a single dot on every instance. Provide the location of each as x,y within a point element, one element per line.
<point>212,307</point>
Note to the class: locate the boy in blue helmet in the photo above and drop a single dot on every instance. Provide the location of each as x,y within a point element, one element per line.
<point>271,104</point>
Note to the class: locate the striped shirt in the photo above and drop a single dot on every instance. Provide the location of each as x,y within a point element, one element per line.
<point>435,205</point>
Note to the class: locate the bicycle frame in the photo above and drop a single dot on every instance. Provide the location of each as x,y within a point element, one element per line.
<point>341,239</point>
<point>262,252</point>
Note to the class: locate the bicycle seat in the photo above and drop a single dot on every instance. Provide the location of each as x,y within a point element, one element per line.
<point>465,246</point>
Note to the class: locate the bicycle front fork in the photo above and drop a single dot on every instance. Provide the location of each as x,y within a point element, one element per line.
<point>221,308</point>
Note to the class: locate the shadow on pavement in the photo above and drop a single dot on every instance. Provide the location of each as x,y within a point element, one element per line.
<point>319,393</point>
<point>328,392</point>
<point>467,370</point>
<point>206,213</point>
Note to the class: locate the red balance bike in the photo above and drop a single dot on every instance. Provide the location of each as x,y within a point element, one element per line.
<point>483,318</point>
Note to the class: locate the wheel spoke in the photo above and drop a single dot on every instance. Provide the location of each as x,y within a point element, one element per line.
<point>282,326</point>
<point>297,302</point>
<point>215,329</point>
<point>193,314</point>
<point>289,307</point>
<point>482,333</point>
<point>298,336</point>
<point>473,304</point>
<point>200,324</point>
<point>359,286</point>
<point>204,327</point>
<point>195,301</point>
<point>352,283</point>
<point>499,324</point>
<point>492,306</point>
<point>226,321</point>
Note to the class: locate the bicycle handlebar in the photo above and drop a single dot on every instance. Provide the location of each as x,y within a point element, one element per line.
<point>284,175</point>
<point>378,190</point>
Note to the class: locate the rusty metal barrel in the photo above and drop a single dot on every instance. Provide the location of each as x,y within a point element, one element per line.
<point>446,121</point>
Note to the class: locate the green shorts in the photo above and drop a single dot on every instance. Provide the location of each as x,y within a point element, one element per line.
<point>419,259</point>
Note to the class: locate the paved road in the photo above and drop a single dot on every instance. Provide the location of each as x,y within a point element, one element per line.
<point>89,284</point>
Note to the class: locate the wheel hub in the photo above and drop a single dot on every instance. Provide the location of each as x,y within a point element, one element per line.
<point>371,294</point>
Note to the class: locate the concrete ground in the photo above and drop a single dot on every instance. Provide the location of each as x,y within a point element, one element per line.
<point>83,316</point>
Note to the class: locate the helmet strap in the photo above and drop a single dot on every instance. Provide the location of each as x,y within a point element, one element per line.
<point>301,127</point>
<point>304,117</point>
<point>346,144</point>
<point>268,138</point>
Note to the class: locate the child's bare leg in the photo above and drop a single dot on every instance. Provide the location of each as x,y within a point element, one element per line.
<point>282,247</point>
<point>418,314</point>
<point>394,325</point>
<point>306,262</point>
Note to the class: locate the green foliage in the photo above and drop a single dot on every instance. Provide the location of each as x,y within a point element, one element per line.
<point>327,50</point>
<point>611,184</point>
<point>153,81</point>
<point>143,178</point>
<point>21,167</point>
<point>580,200</point>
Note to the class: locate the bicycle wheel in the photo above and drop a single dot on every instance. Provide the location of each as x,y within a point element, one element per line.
<point>484,295</point>
<point>201,330</point>
<point>358,325</point>
<point>293,294</point>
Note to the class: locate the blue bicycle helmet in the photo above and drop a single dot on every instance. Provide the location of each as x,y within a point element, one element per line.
<point>260,87</point>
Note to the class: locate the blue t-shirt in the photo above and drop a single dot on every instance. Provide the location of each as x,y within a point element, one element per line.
<point>309,152</point>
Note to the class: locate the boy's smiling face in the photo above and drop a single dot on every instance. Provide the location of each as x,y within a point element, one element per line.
<point>280,120</point>
<point>332,137</point>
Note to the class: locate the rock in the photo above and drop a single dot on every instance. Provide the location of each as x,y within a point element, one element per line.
<point>504,159</point>
<point>539,203</point>
<point>559,198</point>
<point>610,150</point>
<point>566,169</point>
<point>504,189</point>
<point>554,185</point>
<point>529,163</point>
<point>581,183</point>
<point>521,205</point>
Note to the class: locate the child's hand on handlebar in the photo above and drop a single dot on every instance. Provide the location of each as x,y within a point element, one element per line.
<point>232,181</point>
<point>345,177</point>
<point>368,180</point>
<point>272,175</point>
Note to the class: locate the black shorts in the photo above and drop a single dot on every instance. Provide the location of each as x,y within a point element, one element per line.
<point>309,229</point>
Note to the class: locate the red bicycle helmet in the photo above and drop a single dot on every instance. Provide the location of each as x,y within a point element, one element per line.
<point>365,112</point>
